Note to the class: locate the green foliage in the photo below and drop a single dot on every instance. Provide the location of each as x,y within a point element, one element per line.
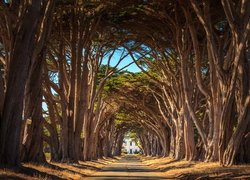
<point>46,132</point>
<point>127,13</point>
<point>114,81</point>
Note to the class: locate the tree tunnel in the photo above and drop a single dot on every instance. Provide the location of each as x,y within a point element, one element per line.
<point>76,76</point>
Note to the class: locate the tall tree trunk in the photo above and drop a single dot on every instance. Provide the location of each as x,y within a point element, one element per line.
<point>53,141</point>
<point>118,147</point>
<point>172,142</point>
<point>179,139</point>
<point>1,92</point>
<point>236,139</point>
<point>190,151</point>
<point>23,49</point>
<point>83,123</point>
<point>32,143</point>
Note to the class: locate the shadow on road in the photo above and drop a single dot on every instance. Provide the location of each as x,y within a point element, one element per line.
<point>129,167</point>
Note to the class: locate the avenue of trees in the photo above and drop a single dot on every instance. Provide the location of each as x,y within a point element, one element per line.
<point>64,84</point>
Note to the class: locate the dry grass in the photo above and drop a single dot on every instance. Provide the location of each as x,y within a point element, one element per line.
<point>197,170</point>
<point>172,169</point>
<point>55,170</point>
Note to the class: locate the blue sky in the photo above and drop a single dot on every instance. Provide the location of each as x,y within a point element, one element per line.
<point>132,68</point>
<point>127,60</point>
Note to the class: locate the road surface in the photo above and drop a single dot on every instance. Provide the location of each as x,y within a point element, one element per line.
<point>129,167</point>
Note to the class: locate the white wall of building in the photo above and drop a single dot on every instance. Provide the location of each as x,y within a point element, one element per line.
<point>130,146</point>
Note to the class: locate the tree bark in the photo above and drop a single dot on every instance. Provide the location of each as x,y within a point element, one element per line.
<point>32,146</point>
<point>23,48</point>
<point>1,92</point>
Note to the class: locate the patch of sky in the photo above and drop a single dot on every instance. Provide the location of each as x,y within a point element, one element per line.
<point>53,76</point>
<point>127,60</point>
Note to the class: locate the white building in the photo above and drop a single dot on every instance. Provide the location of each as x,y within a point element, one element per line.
<point>130,146</point>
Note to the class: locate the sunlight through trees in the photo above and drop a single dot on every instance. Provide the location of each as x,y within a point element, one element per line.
<point>77,76</point>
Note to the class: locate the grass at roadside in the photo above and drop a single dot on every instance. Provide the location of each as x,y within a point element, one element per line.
<point>51,171</point>
<point>197,170</point>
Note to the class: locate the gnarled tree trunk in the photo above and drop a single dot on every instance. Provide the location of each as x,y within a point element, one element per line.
<point>32,145</point>
<point>23,49</point>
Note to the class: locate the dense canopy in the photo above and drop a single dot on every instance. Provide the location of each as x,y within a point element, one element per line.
<point>67,85</point>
